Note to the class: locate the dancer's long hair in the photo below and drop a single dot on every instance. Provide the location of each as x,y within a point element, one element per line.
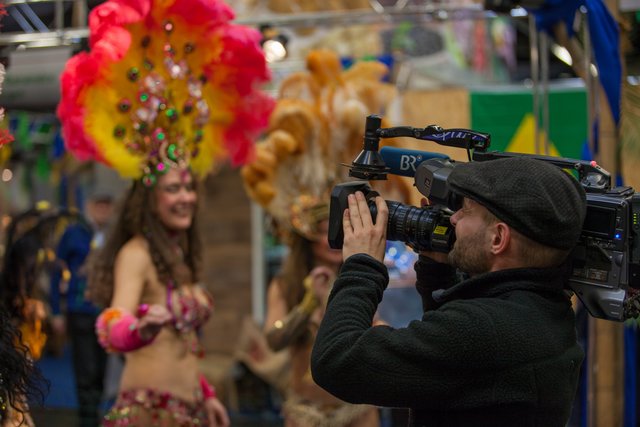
<point>20,272</point>
<point>30,243</point>
<point>296,266</point>
<point>20,380</point>
<point>137,215</point>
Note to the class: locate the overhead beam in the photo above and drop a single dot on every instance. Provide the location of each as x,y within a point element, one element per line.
<point>427,12</point>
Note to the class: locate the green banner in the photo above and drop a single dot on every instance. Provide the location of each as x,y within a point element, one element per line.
<point>507,114</point>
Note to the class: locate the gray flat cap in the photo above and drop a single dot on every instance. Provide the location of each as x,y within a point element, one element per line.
<point>537,199</point>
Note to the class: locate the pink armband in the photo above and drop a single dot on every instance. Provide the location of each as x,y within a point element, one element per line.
<point>117,331</point>
<point>208,391</point>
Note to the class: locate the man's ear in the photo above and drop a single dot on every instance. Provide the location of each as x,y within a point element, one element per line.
<point>500,238</point>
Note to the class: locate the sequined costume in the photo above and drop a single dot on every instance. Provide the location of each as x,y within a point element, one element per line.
<point>190,314</point>
<point>308,413</point>
<point>140,406</point>
<point>146,407</point>
<point>308,405</point>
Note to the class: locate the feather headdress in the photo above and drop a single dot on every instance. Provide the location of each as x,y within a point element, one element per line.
<point>165,83</point>
<point>317,124</point>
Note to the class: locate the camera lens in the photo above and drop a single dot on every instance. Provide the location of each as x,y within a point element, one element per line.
<point>426,228</point>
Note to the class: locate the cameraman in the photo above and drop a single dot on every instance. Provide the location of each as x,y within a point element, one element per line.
<point>497,349</point>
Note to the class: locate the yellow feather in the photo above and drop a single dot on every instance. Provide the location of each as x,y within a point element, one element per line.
<point>101,122</point>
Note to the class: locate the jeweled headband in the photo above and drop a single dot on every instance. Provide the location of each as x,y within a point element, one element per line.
<point>165,84</point>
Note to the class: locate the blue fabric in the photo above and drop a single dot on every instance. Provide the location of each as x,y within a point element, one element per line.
<point>586,151</point>
<point>73,249</point>
<point>630,376</point>
<point>596,136</point>
<point>59,372</point>
<point>604,34</point>
<point>58,146</point>
<point>388,60</point>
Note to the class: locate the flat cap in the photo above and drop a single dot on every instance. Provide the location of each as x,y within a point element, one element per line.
<point>537,199</point>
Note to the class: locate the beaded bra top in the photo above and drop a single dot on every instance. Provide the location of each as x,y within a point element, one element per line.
<point>191,308</point>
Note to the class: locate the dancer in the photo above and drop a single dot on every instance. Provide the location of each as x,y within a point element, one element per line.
<point>295,307</point>
<point>182,82</point>
<point>317,124</point>
<point>148,273</point>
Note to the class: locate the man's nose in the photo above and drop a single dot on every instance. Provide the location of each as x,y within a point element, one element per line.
<point>454,218</point>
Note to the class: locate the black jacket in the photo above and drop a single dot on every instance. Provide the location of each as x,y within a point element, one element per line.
<point>495,350</point>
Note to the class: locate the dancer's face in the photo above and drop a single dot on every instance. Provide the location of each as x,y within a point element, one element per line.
<point>322,252</point>
<point>176,199</point>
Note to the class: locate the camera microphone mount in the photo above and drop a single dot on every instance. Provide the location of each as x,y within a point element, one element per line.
<point>370,164</point>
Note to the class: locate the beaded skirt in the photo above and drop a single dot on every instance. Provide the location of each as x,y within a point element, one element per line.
<point>147,407</point>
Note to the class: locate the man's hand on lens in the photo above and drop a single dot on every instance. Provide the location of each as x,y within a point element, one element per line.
<point>361,235</point>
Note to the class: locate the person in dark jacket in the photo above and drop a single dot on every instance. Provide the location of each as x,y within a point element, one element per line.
<point>496,349</point>
<point>74,314</point>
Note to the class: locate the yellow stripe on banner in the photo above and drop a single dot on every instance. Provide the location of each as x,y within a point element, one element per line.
<point>524,140</point>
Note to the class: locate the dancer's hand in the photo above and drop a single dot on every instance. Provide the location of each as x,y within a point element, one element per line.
<point>321,282</point>
<point>152,320</point>
<point>217,413</point>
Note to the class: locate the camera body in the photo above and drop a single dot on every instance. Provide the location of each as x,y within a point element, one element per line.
<point>605,264</point>
<point>606,260</point>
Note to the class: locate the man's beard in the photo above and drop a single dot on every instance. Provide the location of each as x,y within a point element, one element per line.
<point>468,254</point>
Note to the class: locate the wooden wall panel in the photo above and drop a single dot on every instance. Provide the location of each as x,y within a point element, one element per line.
<point>226,233</point>
<point>446,107</point>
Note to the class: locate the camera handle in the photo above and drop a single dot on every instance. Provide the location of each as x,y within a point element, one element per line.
<point>457,138</point>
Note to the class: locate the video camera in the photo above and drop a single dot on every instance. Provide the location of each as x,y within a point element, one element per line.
<point>605,262</point>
